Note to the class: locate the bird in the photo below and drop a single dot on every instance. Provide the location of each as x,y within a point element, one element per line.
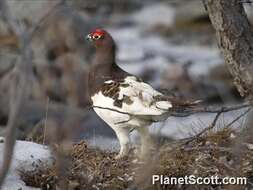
<point>122,100</point>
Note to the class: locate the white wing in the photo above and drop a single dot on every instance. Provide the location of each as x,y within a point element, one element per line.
<point>133,98</point>
<point>142,97</point>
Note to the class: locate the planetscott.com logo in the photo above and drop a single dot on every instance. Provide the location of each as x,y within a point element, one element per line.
<point>193,180</point>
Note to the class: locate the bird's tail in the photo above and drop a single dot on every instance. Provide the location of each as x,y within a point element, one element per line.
<point>178,106</point>
<point>185,108</point>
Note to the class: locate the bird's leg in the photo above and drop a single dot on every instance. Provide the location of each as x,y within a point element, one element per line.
<point>147,142</point>
<point>123,136</point>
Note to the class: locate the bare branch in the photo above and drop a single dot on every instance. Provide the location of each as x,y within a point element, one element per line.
<point>205,5</point>
<point>111,109</point>
<point>239,117</point>
<point>213,124</point>
<point>19,88</point>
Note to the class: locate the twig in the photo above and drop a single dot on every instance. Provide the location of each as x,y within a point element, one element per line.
<point>213,124</point>
<point>238,117</point>
<point>111,109</point>
<point>205,4</point>
<point>125,121</point>
<point>207,147</point>
<point>45,123</point>
<point>35,128</point>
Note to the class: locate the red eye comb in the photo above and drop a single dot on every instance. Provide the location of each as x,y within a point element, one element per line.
<point>99,32</point>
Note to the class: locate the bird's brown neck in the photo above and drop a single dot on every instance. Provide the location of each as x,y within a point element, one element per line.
<point>104,56</point>
<point>103,68</point>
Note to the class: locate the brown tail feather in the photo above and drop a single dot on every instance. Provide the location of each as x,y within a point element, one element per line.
<point>182,107</point>
<point>177,102</point>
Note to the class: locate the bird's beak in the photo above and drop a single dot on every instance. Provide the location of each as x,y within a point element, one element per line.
<point>89,37</point>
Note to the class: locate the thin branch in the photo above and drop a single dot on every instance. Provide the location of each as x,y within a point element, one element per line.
<point>45,123</point>
<point>19,87</point>
<point>111,109</point>
<point>213,124</point>
<point>238,117</point>
<point>207,147</point>
<point>205,5</point>
<point>125,121</point>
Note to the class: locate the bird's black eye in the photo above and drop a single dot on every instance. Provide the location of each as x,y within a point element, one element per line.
<point>96,37</point>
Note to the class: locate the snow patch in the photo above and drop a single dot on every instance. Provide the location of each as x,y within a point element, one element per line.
<point>134,48</point>
<point>27,155</point>
<point>156,14</point>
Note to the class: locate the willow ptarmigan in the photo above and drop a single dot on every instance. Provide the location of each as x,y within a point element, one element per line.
<point>122,100</point>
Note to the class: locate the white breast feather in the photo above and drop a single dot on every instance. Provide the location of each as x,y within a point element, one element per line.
<point>110,117</point>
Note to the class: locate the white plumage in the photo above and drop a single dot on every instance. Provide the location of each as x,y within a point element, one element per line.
<point>142,111</point>
<point>144,104</point>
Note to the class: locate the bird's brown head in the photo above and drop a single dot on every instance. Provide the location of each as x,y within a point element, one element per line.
<point>101,39</point>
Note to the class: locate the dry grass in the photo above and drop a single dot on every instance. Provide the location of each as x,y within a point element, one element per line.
<point>90,169</point>
<point>209,155</point>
